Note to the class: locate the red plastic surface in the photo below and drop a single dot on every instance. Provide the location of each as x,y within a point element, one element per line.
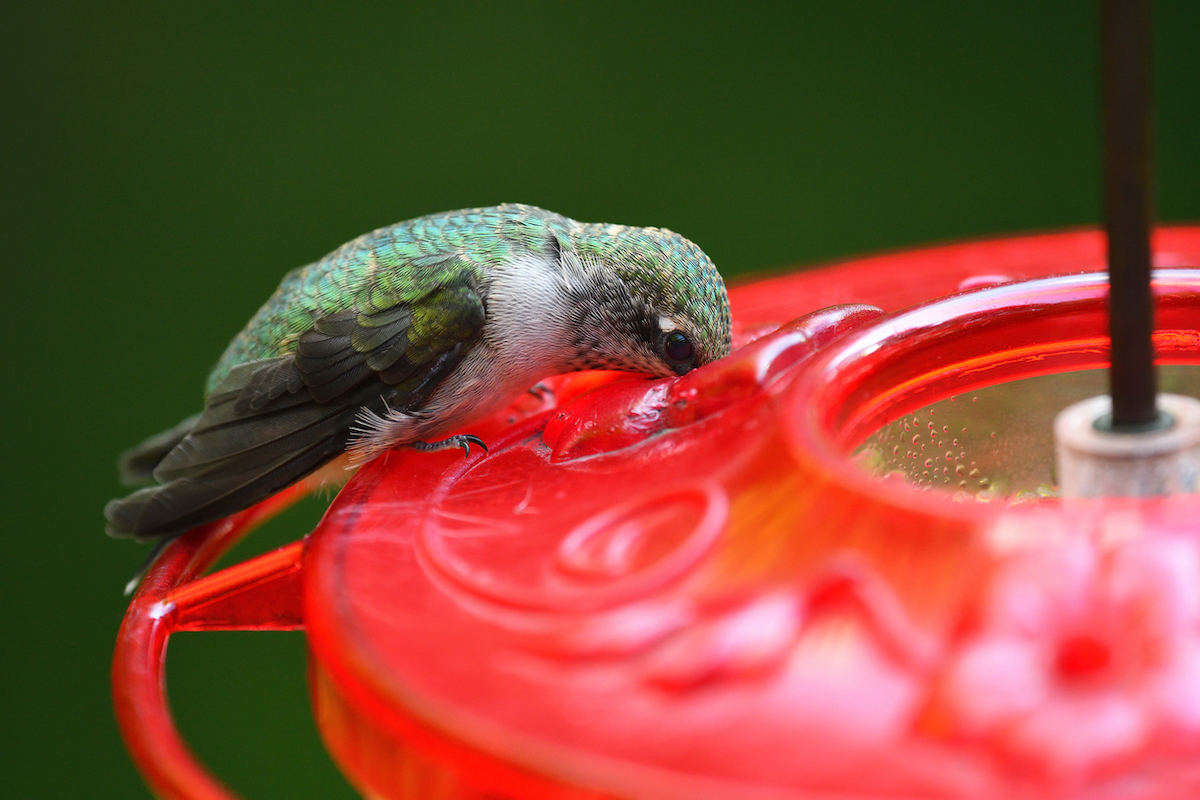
<point>682,589</point>
<point>258,595</point>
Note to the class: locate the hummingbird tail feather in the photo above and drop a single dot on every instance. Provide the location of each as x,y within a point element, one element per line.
<point>236,455</point>
<point>177,506</point>
<point>137,464</point>
<point>155,551</point>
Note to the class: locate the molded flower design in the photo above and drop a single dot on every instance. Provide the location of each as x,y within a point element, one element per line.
<point>1081,658</point>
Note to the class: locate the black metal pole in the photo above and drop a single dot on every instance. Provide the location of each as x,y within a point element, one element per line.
<point>1128,211</point>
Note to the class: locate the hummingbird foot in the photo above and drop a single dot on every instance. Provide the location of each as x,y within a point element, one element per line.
<point>541,391</point>
<point>463,440</point>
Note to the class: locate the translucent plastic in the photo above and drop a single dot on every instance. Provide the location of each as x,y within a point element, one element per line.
<point>688,589</point>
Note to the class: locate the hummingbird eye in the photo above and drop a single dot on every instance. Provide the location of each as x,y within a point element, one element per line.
<point>678,348</point>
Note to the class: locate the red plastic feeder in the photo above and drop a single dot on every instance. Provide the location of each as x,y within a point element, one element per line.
<point>831,565</point>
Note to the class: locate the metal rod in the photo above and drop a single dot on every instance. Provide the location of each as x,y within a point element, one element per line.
<point>1128,211</point>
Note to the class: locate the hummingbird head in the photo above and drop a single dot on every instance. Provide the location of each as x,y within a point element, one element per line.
<point>647,300</point>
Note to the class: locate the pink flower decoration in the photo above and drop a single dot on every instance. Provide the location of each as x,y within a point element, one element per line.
<point>1082,658</point>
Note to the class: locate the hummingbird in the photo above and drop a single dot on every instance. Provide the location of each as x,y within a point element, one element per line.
<point>410,332</point>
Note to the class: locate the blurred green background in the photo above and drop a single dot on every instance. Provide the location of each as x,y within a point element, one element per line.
<point>163,167</point>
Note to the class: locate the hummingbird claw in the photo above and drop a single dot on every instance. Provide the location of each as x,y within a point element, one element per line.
<point>463,440</point>
<point>541,391</point>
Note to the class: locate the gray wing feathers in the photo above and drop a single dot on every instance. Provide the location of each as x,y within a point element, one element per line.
<point>137,464</point>
<point>269,423</point>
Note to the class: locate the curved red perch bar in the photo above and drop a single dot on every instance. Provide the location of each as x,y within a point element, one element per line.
<point>262,594</point>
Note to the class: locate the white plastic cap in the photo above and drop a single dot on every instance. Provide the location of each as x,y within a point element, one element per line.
<point>1100,463</point>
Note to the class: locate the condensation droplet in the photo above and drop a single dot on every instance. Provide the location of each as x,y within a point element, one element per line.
<point>949,456</point>
<point>929,462</point>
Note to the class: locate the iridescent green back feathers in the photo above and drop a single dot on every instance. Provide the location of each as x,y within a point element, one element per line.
<point>401,262</point>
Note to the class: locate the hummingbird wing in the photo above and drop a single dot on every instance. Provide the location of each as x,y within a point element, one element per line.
<point>270,422</point>
<point>136,465</point>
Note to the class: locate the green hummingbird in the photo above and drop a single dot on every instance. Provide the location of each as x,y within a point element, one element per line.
<point>410,332</point>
